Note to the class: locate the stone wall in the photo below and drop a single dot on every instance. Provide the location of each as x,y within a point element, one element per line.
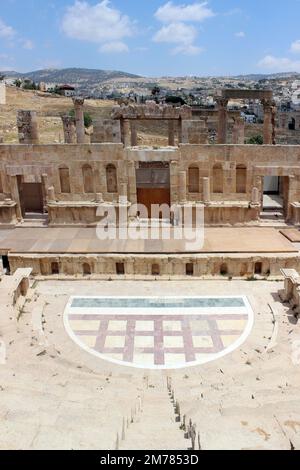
<point>106,130</point>
<point>228,174</point>
<point>158,266</point>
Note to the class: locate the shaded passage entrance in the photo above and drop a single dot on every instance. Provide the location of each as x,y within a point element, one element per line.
<point>31,198</point>
<point>275,197</point>
<point>153,188</point>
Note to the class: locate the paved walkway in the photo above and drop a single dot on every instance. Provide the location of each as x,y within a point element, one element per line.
<point>84,240</point>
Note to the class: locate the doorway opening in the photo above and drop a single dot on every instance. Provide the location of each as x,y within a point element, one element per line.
<point>292,124</point>
<point>155,270</point>
<point>5,264</point>
<point>31,199</point>
<point>189,269</point>
<point>273,200</point>
<point>54,268</point>
<point>120,269</point>
<point>153,190</point>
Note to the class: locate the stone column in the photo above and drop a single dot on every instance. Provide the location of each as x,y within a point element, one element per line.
<point>51,194</point>
<point>268,122</point>
<point>125,130</point>
<point>238,136</point>
<point>174,180</point>
<point>79,119</point>
<point>179,131</point>
<point>206,190</point>
<point>44,179</point>
<point>123,194</point>
<point>255,199</point>
<point>274,114</point>
<point>132,182</point>
<point>69,126</point>
<point>222,120</point>
<point>182,187</point>
<point>27,127</point>
<point>14,189</point>
<point>171,133</point>
<point>134,137</point>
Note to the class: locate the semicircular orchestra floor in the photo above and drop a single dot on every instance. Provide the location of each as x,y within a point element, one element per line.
<point>159,332</point>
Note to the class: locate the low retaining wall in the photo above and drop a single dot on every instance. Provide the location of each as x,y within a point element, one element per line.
<point>157,266</point>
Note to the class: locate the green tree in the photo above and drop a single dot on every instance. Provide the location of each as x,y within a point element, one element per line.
<point>175,100</point>
<point>155,91</point>
<point>88,120</point>
<point>256,140</point>
<point>29,85</point>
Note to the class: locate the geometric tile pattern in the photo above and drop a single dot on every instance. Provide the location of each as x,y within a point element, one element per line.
<point>158,340</point>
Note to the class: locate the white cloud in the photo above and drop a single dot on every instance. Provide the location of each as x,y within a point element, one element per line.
<point>176,33</point>
<point>100,23</point>
<point>240,34</point>
<point>175,29</point>
<point>279,64</point>
<point>295,46</point>
<point>6,32</point>
<point>196,12</point>
<point>187,50</point>
<point>117,46</point>
<point>181,34</point>
<point>28,44</point>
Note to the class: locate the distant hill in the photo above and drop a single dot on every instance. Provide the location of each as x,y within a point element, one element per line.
<point>73,76</point>
<point>273,76</point>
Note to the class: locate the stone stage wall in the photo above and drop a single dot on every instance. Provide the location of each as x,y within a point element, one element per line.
<point>111,266</point>
<point>77,176</point>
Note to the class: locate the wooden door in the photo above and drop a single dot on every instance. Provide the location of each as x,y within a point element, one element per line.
<point>149,196</point>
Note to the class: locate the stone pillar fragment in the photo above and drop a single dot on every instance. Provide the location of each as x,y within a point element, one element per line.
<point>123,196</point>
<point>69,126</point>
<point>44,179</point>
<point>134,137</point>
<point>269,123</point>
<point>238,136</point>
<point>179,131</point>
<point>206,190</point>
<point>255,199</point>
<point>79,119</point>
<point>14,189</point>
<point>171,133</point>
<point>182,187</point>
<point>126,133</point>
<point>51,194</point>
<point>222,120</point>
<point>132,182</point>
<point>27,127</point>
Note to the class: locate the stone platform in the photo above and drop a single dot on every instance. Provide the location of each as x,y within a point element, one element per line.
<point>84,241</point>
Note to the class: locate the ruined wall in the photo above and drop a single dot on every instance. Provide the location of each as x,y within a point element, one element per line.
<point>157,266</point>
<point>83,173</point>
<point>106,130</point>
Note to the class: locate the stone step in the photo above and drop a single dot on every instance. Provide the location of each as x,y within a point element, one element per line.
<point>155,427</point>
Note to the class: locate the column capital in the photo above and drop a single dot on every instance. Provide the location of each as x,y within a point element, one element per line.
<point>221,102</point>
<point>268,104</point>
<point>78,101</point>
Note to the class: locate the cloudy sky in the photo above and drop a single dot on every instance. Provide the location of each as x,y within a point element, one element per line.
<point>152,37</point>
